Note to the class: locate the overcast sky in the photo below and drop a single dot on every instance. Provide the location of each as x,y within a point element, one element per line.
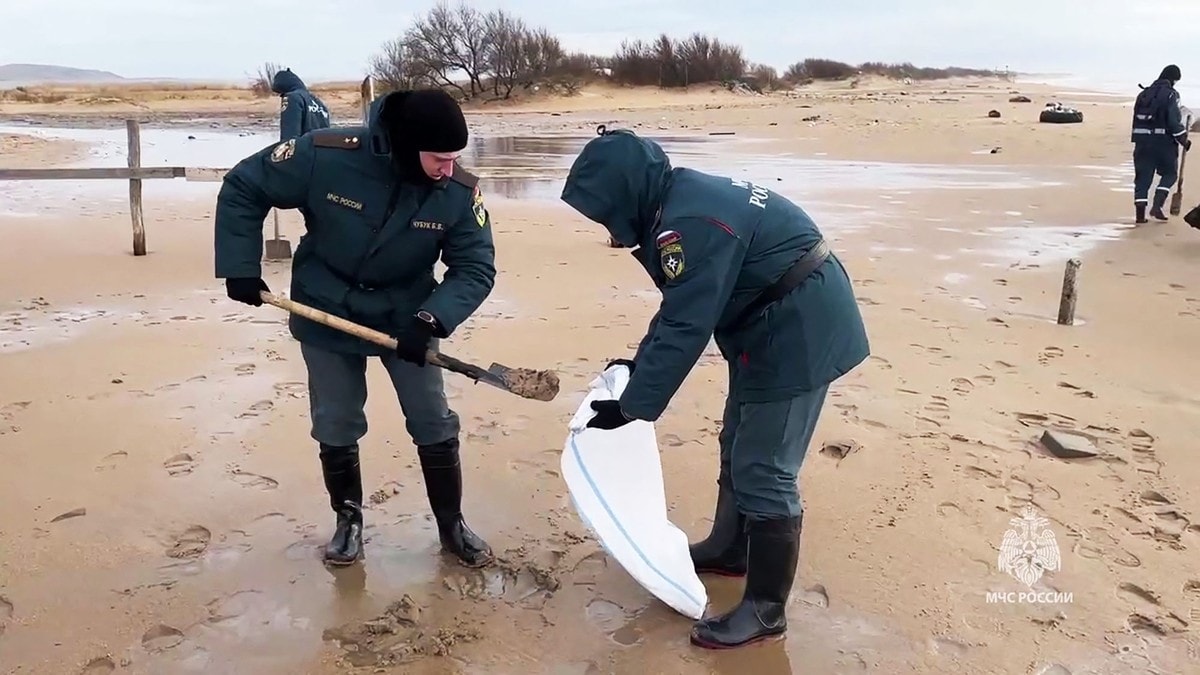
<point>335,39</point>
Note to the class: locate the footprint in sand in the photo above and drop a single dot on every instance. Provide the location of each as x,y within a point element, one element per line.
<point>1004,367</point>
<point>816,596</point>
<point>938,351</point>
<point>962,386</point>
<point>1167,521</point>
<point>949,510</point>
<point>1155,627</point>
<point>935,412</point>
<point>233,606</point>
<point>1129,521</point>
<point>1038,420</point>
<point>1079,391</point>
<point>293,389</point>
<point>881,362</point>
<point>1049,354</point>
<point>73,513</point>
<point>256,409</point>
<point>179,465</point>
<point>1099,544</point>
<point>253,480</point>
<point>111,460</point>
<point>1144,456</point>
<point>161,638</point>
<point>99,666</point>
<point>992,478</point>
<point>245,369</point>
<point>1022,492</point>
<point>190,543</point>
<point>1137,596</point>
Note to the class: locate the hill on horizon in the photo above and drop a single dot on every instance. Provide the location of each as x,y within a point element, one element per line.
<point>36,73</point>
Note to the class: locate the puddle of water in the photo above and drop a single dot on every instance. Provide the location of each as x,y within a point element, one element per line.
<point>522,167</point>
<point>1046,243</point>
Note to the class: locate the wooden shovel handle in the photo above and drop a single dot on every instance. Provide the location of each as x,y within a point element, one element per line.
<point>368,334</point>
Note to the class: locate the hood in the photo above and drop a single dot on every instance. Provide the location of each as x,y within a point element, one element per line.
<point>285,81</point>
<point>618,181</point>
<point>408,165</point>
<point>381,141</point>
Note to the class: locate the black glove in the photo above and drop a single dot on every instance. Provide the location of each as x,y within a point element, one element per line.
<point>413,342</point>
<point>246,290</point>
<point>1186,143</point>
<point>628,363</point>
<point>608,415</point>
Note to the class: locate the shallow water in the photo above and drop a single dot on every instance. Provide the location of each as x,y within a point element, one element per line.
<point>521,167</point>
<point>534,168</point>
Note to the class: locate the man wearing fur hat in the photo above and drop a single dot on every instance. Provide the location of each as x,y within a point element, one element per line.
<point>381,204</point>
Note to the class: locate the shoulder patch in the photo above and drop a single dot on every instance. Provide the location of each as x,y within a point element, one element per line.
<point>670,253</point>
<point>284,151</point>
<point>665,238</point>
<point>337,140</point>
<point>464,177</point>
<point>477,207</point>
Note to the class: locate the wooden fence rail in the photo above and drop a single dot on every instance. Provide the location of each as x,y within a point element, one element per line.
<point>135,173</point>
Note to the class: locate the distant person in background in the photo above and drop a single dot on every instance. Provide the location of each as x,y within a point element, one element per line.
<point>1158,131</point>
<point>300,110</point>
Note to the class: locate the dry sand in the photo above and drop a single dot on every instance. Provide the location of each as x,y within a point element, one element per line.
<point>162,503</point>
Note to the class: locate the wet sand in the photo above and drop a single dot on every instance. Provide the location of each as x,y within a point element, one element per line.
<point>164,510</point>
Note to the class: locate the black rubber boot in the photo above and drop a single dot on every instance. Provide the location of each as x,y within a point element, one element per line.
<point>1140,207</point>
<point>723,551</point>
<point>343,482</point>
<point>774,548</point>
<point>443,485</point>
<point>1160,198</point>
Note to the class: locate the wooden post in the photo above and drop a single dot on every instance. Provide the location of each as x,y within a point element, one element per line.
<point>1066,303</point>
<point>134,133</point>
<point>367,94</point>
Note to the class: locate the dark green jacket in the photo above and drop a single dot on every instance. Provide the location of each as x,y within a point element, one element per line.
<point>300,110</point>
<point>372,241</point>
<point>711,244</point>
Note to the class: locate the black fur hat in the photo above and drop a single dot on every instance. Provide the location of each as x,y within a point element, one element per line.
<point>430,120</point>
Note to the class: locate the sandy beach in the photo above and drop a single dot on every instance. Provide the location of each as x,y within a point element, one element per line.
<point>163,509</point>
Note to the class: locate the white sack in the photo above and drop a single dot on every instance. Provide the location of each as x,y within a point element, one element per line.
<point>615,481</point>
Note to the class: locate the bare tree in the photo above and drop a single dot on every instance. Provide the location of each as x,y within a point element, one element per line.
<point>447,42</point>
<point>395,68</point>
<point>543,54</point>
<point>260,84</point>
<point>504,56</point>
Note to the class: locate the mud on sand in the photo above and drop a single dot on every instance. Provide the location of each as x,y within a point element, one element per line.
<point>405,633</point>
<point>540,385</point>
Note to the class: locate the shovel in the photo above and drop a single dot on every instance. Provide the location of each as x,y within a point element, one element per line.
<point>540,385</point>
<point>1177,198</point>
<point>277,248</point>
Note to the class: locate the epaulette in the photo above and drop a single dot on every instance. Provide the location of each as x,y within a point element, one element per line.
<point>464,177</point>
<point>336,139</point>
